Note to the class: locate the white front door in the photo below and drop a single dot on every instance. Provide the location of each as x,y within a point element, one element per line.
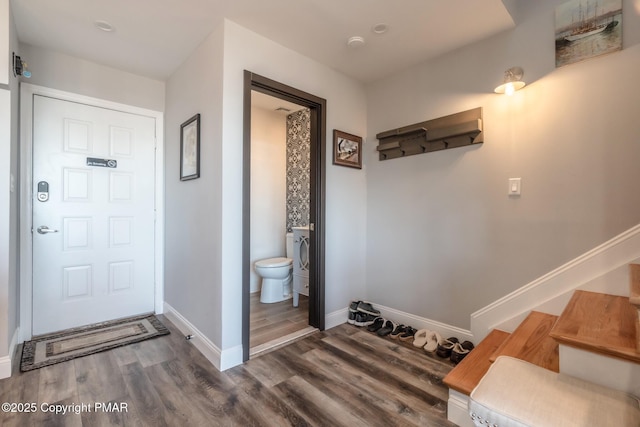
<point>93,214</point>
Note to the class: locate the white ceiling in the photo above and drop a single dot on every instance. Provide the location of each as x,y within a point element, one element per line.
<point>153,37</point>
<point>271,103</point>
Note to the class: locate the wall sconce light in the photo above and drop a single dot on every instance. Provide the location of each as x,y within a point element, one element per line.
<point>20,67</point>
<point>512,81</point>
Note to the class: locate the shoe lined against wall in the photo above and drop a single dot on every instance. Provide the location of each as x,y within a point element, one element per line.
<point>364,314</point>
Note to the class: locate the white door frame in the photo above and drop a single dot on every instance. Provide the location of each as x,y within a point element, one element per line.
<point>27,92</point>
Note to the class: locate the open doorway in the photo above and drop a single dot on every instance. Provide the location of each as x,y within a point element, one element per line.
<point>315,110</point>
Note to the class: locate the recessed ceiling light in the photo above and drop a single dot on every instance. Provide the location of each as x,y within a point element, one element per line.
<point>355,42</point>
<point>104,26</point>
<point>380,28</point>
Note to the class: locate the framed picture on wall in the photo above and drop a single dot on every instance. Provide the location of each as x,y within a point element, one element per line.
<point>347,149</point>
<point>190,149</point>
<point>587,28</point>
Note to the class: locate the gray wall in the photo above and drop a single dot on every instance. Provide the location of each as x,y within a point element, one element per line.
<point>63,72</point>
<point>9,222</point>
<point>203,273</point>
<point>193,208</point>
<point>443,237</point>
<point>268,188</point>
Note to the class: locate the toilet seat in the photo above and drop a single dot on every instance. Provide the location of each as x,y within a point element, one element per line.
<point>274,262</point>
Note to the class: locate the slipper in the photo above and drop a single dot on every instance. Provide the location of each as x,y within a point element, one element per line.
<point>420,337</point>
<point>400,329</point>
<point>460,351</point>
<point>388,327</point>
<point>432,342</point>
<point>445,347</point>
<point>377,324</point>
<point>408,334</point>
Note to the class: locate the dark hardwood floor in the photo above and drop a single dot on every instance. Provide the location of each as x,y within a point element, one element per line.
<point>345,376</point>
<point>272,324</point>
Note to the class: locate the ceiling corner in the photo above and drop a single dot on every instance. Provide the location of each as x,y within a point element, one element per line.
<point>514,9</point>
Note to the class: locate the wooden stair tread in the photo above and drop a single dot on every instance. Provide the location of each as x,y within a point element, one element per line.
<point>634,285</point>
<point>531,342</point>
<point>468,373</point>
<point>600,323</point>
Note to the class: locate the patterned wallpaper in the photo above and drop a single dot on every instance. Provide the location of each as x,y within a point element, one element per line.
<point>298,168</point>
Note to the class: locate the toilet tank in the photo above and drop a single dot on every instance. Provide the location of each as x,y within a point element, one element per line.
<point>290,245</point>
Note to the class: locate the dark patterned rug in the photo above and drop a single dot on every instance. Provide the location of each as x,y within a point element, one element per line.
<point>57,347</point>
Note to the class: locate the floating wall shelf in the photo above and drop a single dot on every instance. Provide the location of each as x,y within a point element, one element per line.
<point>456,130</point>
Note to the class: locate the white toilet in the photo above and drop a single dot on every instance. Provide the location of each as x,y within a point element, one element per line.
<point>276,275</point>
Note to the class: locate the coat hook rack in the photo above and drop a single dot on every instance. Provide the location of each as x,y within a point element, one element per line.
<point>455,130</point>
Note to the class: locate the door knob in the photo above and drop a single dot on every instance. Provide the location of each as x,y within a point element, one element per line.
<point>43,229</point>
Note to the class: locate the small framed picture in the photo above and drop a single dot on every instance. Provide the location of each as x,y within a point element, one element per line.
<point>190,149</point>
<point>347,149</point>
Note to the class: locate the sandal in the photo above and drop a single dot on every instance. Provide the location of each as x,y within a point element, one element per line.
<point>420,337</point>
<point>445,347</point>
<point>408,334</point>
<point>377,324</point>
<point>400,329</point>
<point>388,327</point>
<point>433,339</point>
<point>460,351</point>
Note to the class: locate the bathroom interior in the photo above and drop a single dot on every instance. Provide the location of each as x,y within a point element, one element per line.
<point>280,175</point>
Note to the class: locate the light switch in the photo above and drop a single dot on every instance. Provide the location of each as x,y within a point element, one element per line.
<point>514,186</point>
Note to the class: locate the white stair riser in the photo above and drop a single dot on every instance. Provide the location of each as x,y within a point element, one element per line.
<point>458,409</point>
<point>604,370</point>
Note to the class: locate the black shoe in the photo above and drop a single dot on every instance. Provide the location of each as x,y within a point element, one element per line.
<point>408,334</point>
<point>446,346</point>
<point>399,330</point>
<point>387,328</point>
<point>364,319</point>
<point>460,351</point>
<point>377,324</point>
<point>353,309</point>
<point>352,318</point>
<point>365,307</point>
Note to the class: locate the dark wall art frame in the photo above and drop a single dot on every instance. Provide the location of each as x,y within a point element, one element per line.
<point>347,149</point>
<point>190,149</point>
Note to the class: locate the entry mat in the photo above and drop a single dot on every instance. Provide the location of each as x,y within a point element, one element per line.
<point>57,347</point>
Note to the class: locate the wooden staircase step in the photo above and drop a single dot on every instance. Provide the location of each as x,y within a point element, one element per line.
<point>600,323</point>
<point>531,342</point>
<point>634,284</point>
<point>468,373</point>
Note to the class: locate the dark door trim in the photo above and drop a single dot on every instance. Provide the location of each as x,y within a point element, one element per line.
<point>318,108</point>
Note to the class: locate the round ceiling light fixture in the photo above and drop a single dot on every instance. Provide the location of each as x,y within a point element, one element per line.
<point>355,42</point>
<point>380,28</point>
<point>104,26</point>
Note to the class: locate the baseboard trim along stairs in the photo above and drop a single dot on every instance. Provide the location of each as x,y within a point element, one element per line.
<point>596,338</point>
<point>585,272</point>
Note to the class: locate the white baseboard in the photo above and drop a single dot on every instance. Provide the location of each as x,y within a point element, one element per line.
<point>457,409</point>
<point>583,270</point>
<point>339,317</point>
<point>221,359</point>
<point>423,323</point>
<point>336,318</point>
<point>6,362</point>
